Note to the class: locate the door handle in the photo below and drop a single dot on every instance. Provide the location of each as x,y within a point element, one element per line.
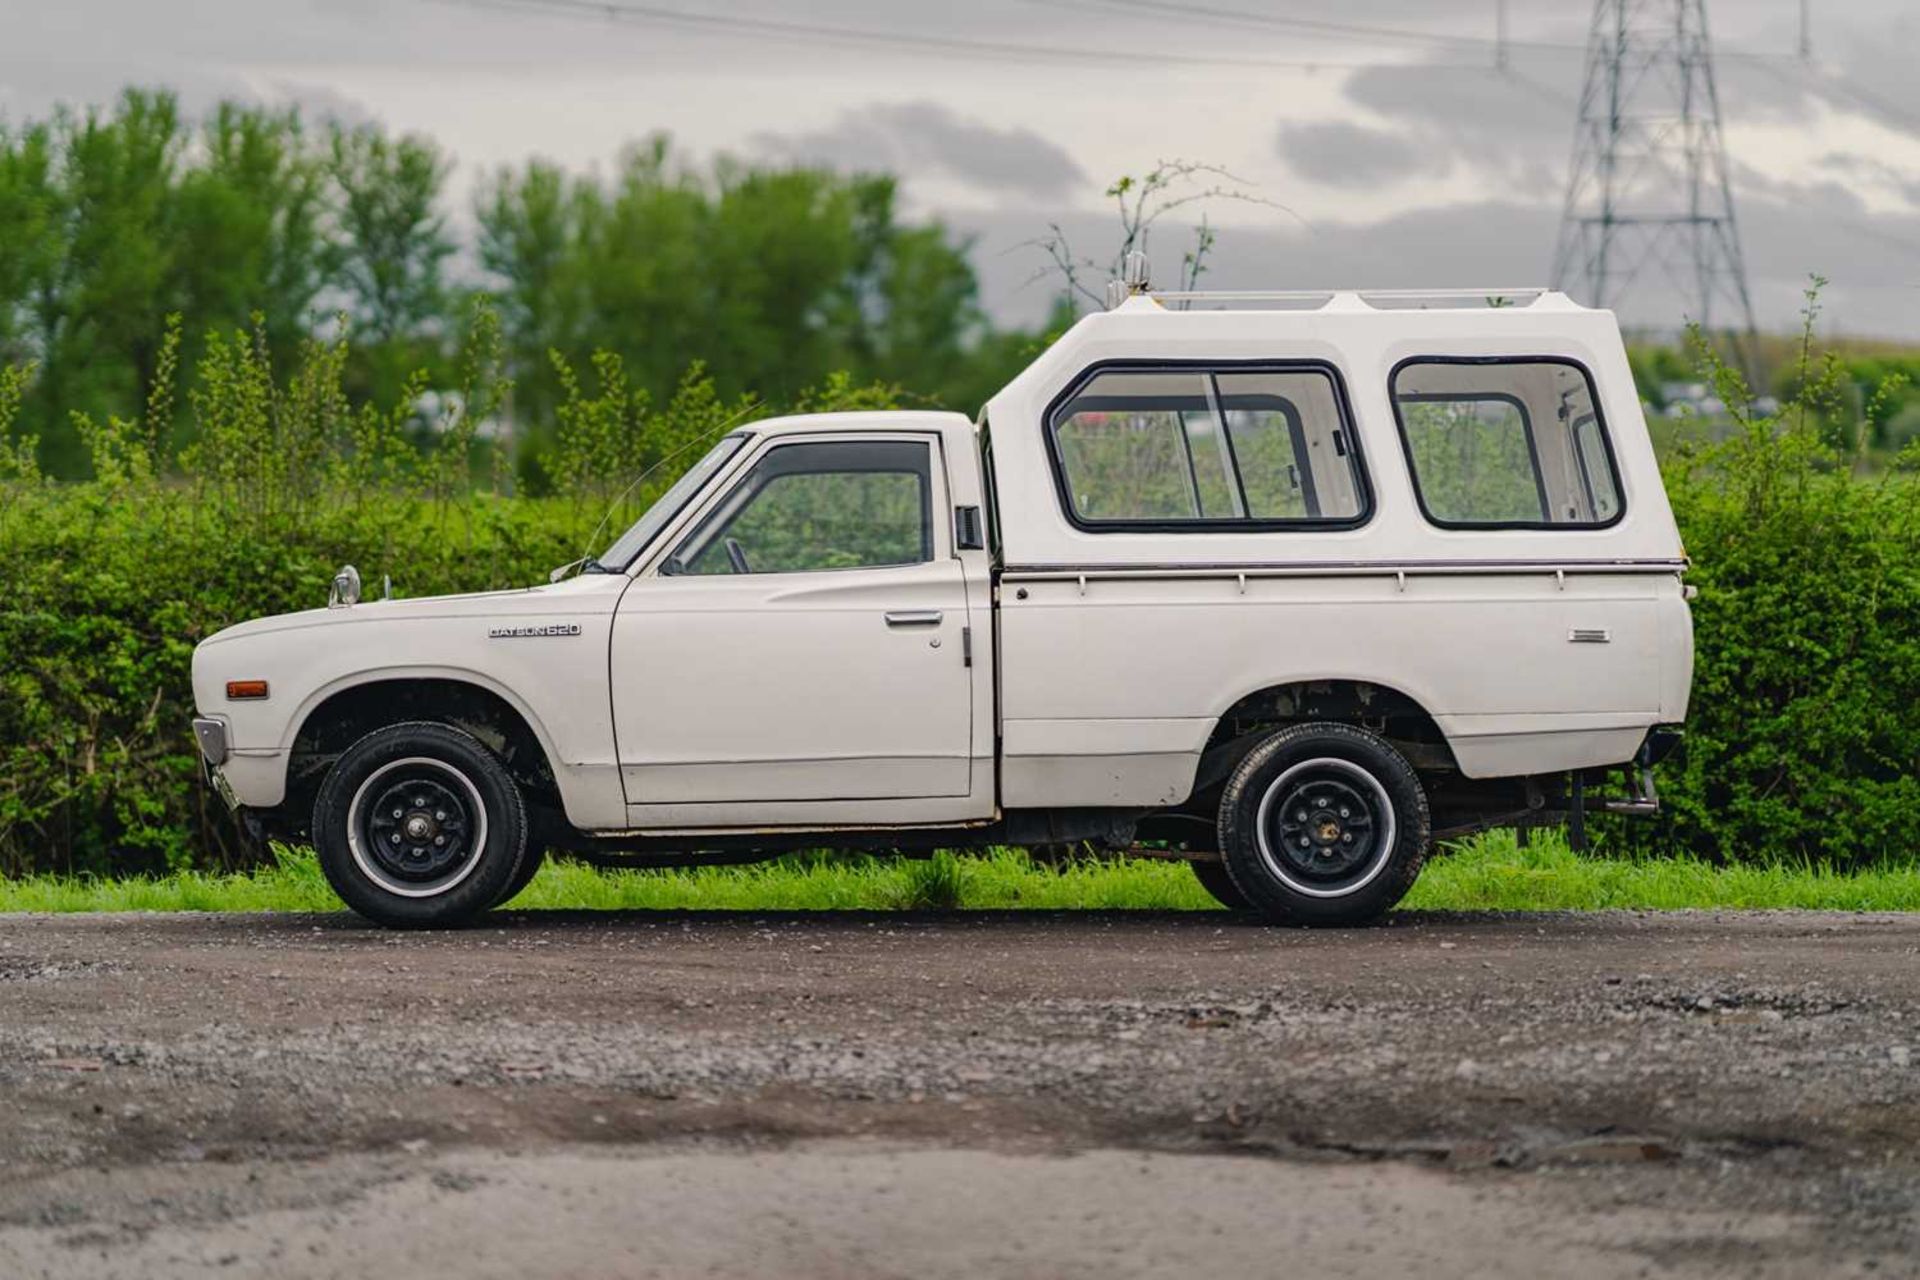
<point>914,617</point>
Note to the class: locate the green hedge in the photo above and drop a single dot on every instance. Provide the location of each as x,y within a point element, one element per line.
<point>1804,737</point>
<point>107,592</point>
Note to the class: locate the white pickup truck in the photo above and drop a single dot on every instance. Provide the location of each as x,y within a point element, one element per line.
<point>1290,591</point>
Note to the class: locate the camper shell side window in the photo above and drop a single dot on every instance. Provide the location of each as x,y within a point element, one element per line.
<point>1506,442</point>
<point>1197,447</point>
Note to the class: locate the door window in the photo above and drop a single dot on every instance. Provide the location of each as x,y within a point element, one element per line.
<point>807,507</point>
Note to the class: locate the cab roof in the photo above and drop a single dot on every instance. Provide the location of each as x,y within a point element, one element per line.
<point>867,420</point>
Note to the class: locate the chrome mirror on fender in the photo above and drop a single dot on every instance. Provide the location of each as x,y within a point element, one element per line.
<point>345,591</point>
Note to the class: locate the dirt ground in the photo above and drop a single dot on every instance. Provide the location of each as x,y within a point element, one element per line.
<point>974,1095</point>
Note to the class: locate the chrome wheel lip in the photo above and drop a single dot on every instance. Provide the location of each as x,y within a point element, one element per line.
<point>370,868</point>
<point>1386,835</point>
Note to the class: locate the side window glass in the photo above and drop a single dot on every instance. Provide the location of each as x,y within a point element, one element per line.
<point>1193,446</point>
<point>1296,461</point>
<point>1473,459</point>
<point>1596,471</point>
<point>1506,443</point>
<point>809,507</point>
<point>1124,446</point>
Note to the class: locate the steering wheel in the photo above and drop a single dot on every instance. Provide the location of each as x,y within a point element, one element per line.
<point>736,557</point>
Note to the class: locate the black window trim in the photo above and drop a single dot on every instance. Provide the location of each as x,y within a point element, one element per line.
<point>1485,526</point>
<point>1226,439</point>
<point>1343,406</point>
<point>990,490</point>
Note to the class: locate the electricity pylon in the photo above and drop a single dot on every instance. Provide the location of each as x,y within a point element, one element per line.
<point>1649,212</point>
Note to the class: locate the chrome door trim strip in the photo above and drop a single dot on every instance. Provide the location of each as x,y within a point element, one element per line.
<point>1332,568</point>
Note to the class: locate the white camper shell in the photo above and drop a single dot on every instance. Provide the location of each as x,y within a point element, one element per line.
<point>1288,590</point>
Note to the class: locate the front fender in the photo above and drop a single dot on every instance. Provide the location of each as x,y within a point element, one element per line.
<point>543,653</point>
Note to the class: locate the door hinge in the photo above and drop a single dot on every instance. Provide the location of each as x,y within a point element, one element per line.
<point>966,646</point>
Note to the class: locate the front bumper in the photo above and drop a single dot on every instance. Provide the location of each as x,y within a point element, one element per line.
<point>211,734</point>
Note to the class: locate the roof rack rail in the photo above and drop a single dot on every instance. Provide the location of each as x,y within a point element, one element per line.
<point>1394,299</point>
<point>1134,283</point>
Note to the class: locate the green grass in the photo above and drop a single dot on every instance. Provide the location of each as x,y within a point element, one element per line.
<point>1490,873</point>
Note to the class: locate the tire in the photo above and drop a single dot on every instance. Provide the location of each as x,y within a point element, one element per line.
<point>426,782</point>
<point>529,868</point>
<point>1214,879</point>
<point>1323,824</point>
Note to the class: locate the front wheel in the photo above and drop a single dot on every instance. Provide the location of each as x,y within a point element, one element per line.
<point>418,825</point>
<point>1323,824</point>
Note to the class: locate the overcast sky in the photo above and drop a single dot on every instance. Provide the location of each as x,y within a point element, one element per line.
<point>1395,157</point>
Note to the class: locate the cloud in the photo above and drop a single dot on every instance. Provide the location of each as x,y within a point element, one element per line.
<point>926,139</point>
<point>1343,154</point>
<point>1874,75</point>
<point>1514,128</point>
<point>318,102</point>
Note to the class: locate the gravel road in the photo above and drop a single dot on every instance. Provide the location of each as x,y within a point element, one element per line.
<point>960,1095</point>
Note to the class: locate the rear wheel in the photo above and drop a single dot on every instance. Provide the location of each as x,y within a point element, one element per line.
<point>1214,879</point>
<point>418,825</point>
<point>1323,824</point>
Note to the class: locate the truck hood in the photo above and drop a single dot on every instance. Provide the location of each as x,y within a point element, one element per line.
<point>585,594</point>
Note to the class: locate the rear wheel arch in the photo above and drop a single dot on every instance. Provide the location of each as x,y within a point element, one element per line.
<point>1378,707</point>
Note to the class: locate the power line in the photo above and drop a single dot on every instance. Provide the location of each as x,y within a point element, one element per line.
<point>1495,44</point>
<point>862,37</point>
<point>1821,80</point>
<point>1002,51</point>
<point>1242,18</point>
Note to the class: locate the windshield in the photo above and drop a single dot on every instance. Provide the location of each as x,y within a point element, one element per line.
<point>634,540</point>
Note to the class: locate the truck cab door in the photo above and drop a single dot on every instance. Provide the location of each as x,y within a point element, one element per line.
<point>804,653</point>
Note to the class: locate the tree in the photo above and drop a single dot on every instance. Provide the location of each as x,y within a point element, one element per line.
<point>99,278</point>
<point>773,277</point>
<point>776,278</point>
<point>250,232</point>
<point>932,322</point>
<point>30,248</point>
<point>392,242</point>
<point>530,228</point>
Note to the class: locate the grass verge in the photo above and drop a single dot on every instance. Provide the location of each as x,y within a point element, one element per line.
<point>1489,873</point>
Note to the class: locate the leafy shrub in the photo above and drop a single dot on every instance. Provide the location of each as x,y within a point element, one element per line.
<point>1803,737</point>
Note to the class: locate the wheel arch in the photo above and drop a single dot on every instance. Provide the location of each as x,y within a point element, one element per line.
<point>1377,705</point>
<point>337,715</point>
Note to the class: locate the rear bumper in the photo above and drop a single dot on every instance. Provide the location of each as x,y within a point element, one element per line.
<point>1660,742</point>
